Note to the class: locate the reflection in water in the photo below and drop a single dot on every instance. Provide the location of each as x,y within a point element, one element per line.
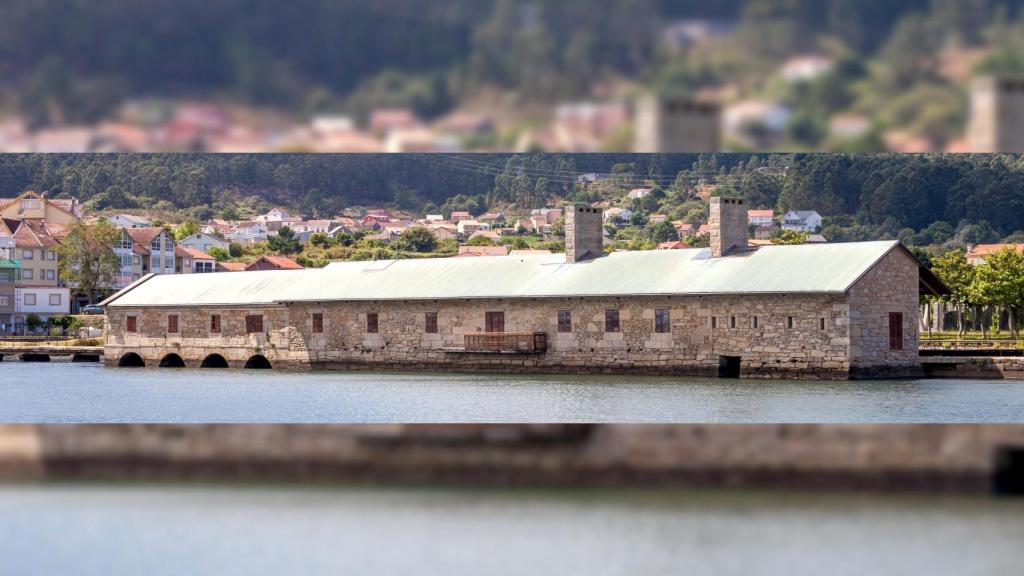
<point>165,529</point>
<point>64,392</point>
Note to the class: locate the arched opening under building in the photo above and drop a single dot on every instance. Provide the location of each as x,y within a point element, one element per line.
<point>729,366</point>
<point>83,357</point>
<point>131,360</point>
<point>172,360</point>
<point>258,361</point>
<point>214,361</point>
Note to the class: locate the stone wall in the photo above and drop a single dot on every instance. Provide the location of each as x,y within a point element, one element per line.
<point>890,286</point>
<point>693,346</point>
<point>958,457</point>
<point>729,226</point>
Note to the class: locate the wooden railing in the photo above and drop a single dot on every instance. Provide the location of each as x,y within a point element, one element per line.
<point>526,342</point>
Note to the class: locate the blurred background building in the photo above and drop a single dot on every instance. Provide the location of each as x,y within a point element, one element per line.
<point>498,75</point>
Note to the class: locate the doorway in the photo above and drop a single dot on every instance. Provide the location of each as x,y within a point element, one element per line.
<point>729,366</point>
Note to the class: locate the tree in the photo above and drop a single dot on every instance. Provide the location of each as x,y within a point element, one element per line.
<point>783,237</point>
<point>235,250</point>
<point>1000,282</point>
<point>86,257</point>
<point>284,242</point>
<point>417,239</point>
<point>320,239</point>
<point>219,254</point>
<point>958,275</point>
<point>186,229</point>
<point>480,241</point>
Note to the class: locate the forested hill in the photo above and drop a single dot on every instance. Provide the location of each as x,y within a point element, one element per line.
<point>923,199</point>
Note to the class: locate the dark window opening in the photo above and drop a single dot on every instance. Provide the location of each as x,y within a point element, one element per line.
<point>895,331</point>
<point>564,321</point>
<point>732,322</point>
<point>215,323</point>
<point>172,324</point>
<point>318,322</point>
<point>611,320</point>
<point>254,323</point>
<point>729,366</point>
<point>132,324</point>
<point>754,322</point>
<point>714,321</point>
<point>371,323</point>
<point>494,322</point>
<point>821,323</point>
<point>789,322</point>
<point>662,321</point>
<point>431,323</point>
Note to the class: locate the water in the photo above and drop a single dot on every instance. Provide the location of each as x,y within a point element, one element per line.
<point>140,529</point>
<point>63,392</point>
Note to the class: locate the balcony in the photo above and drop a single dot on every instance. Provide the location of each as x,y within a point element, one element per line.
<point>504,343</point>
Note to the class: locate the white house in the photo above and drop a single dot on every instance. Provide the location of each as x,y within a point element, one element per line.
<point>43,301</point>
<point>761,217</point>
<point>248,233</point>
<point>274,215</point>
<point>129,221</point>
<point>637,193</point>
<point>204,242</point>
<point>802,221</point>
<point>617,215</point>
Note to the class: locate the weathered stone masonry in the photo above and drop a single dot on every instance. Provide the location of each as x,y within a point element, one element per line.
<point>817,344</point>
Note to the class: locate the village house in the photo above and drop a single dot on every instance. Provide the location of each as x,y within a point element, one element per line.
<point>761,217</point>
<point>488,234</point>
<point>804,311</point>
<point>455,217</point>
<point>979,253</point>
<point>204,242</point>
<point>492,218</point>
<point>129,221</point>
<point>273,263</point>
<point>217,226</point>
<point>466,228</point>
<point>801,221</point>
<point>247,233</point>
<point>618,216</point>
<point>201,262</point>
<point>469,251</point>
<point>638,193</point>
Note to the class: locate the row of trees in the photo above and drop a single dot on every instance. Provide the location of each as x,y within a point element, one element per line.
<point>996,285</point>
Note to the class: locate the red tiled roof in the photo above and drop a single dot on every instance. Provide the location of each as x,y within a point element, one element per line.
<point>231,266</point>
<point>193,253</point>
<point>144,235</point>
<point>275,262</point>
<point>982,250</point>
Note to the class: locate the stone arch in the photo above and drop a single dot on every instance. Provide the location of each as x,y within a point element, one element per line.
<point>131,359</point>
<point>172,360</point>
<point>214,361</point>
<point>257,361</point>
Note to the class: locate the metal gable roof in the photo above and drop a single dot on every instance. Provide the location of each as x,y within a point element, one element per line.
<point>823,268</point>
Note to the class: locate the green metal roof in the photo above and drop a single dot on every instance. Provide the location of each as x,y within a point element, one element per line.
<point>809,268</point>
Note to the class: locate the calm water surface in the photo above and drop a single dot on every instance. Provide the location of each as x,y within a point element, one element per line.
<point>132,529</point>
<point>64,392</point>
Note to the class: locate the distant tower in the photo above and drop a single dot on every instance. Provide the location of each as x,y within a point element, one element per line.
<point>996,122</point>
<point>729,226</point>
<point>584,233</point>
<point>676,125</point>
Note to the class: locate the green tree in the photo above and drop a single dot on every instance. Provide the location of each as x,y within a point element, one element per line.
<point>417,239</point>
<point>783,237</point>
<point>480,241</point>
<point>958,274</point>
<point>284,242</point>
<point>1000,282</point>
<point>219,254</point>
<point>186,229</point>
<point>235,250</point>
<point>86,257</point>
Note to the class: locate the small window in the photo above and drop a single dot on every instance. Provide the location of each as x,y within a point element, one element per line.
<point>30,299</point>
<point>895,331</point>
<point>318,322</point>
<point>51,255</point>
<point>565,321</point>
<point>430,323</point>
<point>131,324</point>
<point>789,322</point>
<point>732,322</point>
<point>54,299</point>
<point>27,254</point>
<point>51,275</point>
<point>215,323</point>
<point>26,274</point>
<point>254,323</point>
<point>821,323</point>
<point>371,322</point>
<point>494,321</point>
<point>611,320</point>
<point>754,322</point>
<point>172,323</point>
<point>662,321</point>
<point>714,321</point>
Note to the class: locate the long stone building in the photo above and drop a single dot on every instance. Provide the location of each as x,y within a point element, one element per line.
<point>805,311</point>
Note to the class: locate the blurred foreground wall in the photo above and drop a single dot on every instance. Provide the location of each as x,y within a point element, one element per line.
<point>955,458</point>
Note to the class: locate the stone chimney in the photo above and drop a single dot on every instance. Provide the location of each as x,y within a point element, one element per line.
<point>729,225</point>
<point>583,233</point>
